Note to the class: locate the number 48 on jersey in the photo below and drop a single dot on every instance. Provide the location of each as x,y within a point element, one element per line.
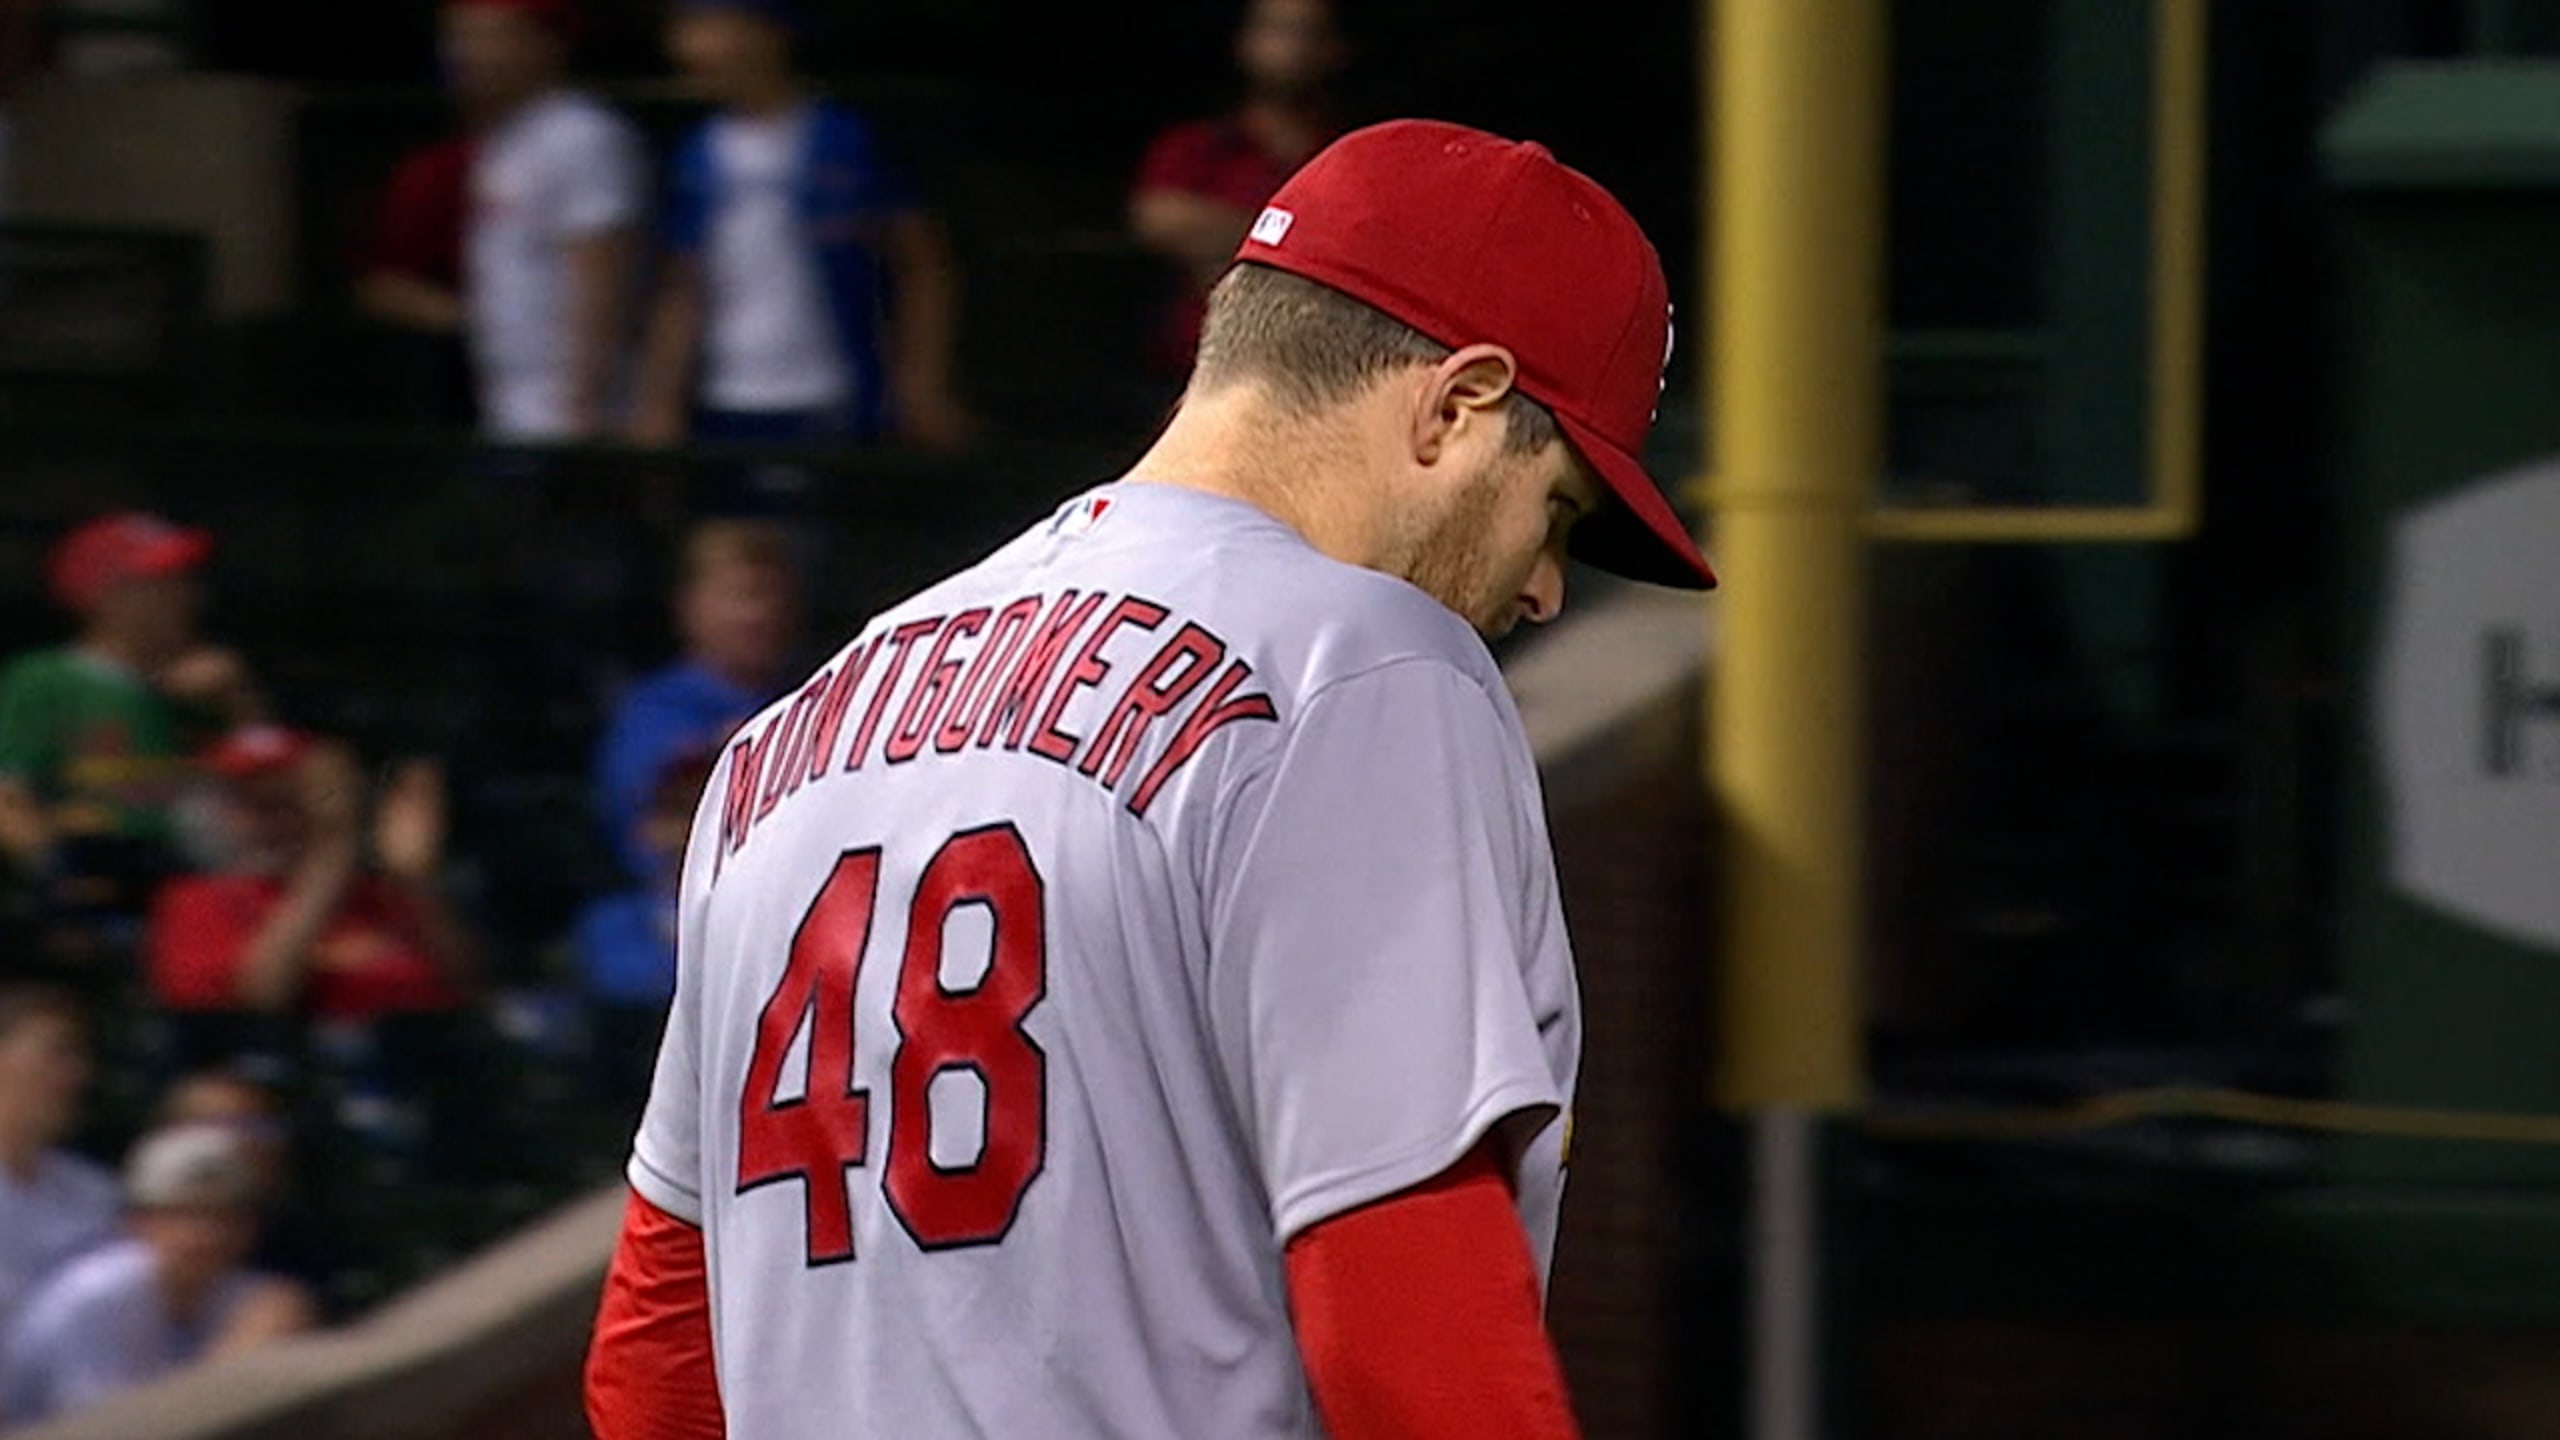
<point>823,1137</point>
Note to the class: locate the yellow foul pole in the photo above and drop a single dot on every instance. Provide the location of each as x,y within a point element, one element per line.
<point>1795,399</point>
<point>1795,395</point>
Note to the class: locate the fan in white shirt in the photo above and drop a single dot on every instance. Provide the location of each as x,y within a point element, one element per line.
<point>173,1294</point>
<point>557,187</point>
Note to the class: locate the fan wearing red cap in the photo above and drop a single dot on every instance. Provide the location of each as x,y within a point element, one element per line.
<point>313,915</point>
<point>1265,1056</point>
<point>93,734</point>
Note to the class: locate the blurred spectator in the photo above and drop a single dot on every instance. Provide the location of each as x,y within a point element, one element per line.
<point>302,924</point>
<point>737,610</point>
<point>557,193</point>
<point>808,294</point>
<point>94,734</point>
<point>738,618</point>
<point>1203,181</point>
<point>410,269</point>
<point>175,1293</point>
<point>627,942</point>
<point>235,1097</point>
<point>413,265</point>
<point>53,1205</point>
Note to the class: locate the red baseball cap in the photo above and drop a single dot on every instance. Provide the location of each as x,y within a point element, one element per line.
<point>121,547</point>
<point>254,750</point>
<point>1468,237</point>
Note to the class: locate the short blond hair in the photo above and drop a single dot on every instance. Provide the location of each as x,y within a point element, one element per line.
<point>721,544</point>
<point>1314,347</point>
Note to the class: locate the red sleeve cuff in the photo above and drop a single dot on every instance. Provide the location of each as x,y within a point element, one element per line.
<point>1420,1317</point>
<point>649,1368</point>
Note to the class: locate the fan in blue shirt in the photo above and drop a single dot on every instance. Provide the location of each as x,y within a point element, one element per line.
<point>807,295</point>
<point>738,611</point>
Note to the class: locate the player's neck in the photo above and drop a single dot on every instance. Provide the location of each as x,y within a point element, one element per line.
<point>1306,473</point>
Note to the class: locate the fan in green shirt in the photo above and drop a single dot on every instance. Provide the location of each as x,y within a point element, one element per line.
<point>94,735</point>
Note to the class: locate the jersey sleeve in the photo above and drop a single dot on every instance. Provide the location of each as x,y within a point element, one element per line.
<point>1368,948</point>
<point>849,146</point>
<point>603,180</point>
<point>1421,1317</point>
<point>417,229</point>
<point>666,1157</point>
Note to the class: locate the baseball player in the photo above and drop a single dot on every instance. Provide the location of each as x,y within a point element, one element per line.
<point>1123,992</point>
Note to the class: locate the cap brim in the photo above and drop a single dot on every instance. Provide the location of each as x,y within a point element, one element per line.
<point>1640,537</point>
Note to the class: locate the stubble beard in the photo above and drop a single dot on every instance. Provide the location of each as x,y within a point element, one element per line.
<point>1448,554</point>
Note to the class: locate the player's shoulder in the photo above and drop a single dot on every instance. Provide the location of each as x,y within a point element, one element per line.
<point>575,122</point>
<point>1336,622</point>
<point>1302,618</point>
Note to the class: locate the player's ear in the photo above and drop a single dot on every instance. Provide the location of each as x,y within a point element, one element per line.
<point>1462,392</point>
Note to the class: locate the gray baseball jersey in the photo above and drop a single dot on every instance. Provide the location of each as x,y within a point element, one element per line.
<point>1095,922</point>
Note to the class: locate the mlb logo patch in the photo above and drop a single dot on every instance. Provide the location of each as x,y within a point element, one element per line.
<point>1272,225</point>
<point>1084,515</point>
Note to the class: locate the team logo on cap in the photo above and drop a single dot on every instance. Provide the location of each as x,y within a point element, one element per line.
<point>1670,339</point>
<point>1272,225</point>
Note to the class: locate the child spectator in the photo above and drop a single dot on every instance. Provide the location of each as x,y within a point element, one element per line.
<point>1203,181</point>
<point>738,617</point>
<point>737,611</point>
<point>53,1205</point>
<point>557,186</point>
<point>305,923</point>
<point>94,734</point>
<point>807,294</point>
<point>175,1293</point>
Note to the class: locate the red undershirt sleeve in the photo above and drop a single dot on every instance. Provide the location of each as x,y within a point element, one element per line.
<point>649,1374</point>
<point>1419,1317</point>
